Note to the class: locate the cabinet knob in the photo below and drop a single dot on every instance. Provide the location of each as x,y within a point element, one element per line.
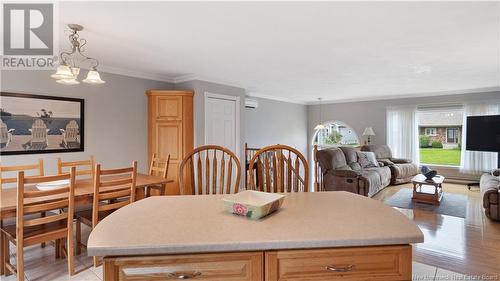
<point>334,268</point>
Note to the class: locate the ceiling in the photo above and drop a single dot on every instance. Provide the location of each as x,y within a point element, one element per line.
<point>298,51</point>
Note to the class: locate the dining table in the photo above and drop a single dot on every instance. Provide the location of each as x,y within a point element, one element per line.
<point>84,191</point>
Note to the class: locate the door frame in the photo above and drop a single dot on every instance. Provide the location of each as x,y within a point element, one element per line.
<point>236,99</point>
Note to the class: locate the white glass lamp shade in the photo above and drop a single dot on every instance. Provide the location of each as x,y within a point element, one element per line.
<point>63,72</point>
<point>93,77</point>
<point>368,132</point>
<point>319,127</point>
<point>71,81</point>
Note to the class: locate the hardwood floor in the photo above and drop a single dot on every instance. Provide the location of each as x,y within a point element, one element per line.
<point>468,246</point>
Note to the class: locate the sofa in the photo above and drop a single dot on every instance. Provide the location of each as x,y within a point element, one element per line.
<point>402,170</point>
<point>490,192</point>
<point>340,171</point>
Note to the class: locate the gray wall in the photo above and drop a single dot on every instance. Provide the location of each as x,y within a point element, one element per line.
<point>115,116</point>
<point>274,122</point>
<point>360,115</point>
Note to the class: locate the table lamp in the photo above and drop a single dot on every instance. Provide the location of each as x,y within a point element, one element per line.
<point>368,132</point>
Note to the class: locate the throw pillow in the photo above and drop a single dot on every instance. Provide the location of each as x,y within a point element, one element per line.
<point>355,166</point>
<point>367,159</point>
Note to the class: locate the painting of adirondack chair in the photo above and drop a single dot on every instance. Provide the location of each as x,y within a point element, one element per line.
<point>70,135</point>
<point>5,135</point>
<point>42,124</point>
<point>39,134</point>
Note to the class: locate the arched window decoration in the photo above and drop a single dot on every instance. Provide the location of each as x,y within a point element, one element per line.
<point>336,133</point>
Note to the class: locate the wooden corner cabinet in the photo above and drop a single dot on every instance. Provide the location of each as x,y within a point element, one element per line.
<point>170,129</point>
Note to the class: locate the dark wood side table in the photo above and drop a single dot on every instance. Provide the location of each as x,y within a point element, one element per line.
<point>427,191</point>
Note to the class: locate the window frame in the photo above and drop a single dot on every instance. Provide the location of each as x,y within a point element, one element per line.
<point>431,134</point>
<point>315,140</point>
<point>440,135</point>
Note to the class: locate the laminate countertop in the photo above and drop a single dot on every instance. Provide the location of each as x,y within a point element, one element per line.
<point>199,224</point>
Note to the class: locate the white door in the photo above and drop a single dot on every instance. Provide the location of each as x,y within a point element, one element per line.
<point>222,121</point>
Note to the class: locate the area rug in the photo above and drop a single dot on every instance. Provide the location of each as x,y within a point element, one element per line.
<point>451,204</point>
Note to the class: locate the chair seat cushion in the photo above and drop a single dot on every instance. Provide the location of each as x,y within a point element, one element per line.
<point>85,216</point>
<point>10,230</point>
<point>377,178</point>
<point>405,170</point>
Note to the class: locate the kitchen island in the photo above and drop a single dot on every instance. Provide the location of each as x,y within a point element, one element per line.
<point>314,236</point>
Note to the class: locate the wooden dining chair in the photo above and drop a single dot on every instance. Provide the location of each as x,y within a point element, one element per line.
<point>8,174</point>
<point>249,153</point>
<point>113,189</point>
<point>57,225</point>
<point>83,167</point>
<point>158,167</point>
<point>319,184</point>
<point>8,177</point>
<point>209,169</point>
<point>280,168</point>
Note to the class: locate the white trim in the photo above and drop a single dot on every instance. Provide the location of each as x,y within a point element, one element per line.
<point>237,101</point>
<point>430,134</point>
<point>136,74</point>
<point>413,95</point>
<point>192,77</point>
<point>269,97</point>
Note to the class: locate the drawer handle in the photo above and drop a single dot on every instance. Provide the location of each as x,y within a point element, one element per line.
<point>340,269</point>
<point>184,275</point>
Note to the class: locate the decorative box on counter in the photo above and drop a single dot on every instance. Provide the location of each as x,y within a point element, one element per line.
<point>253,204</point>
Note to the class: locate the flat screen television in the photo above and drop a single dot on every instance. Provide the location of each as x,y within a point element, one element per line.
<point>483,133</point>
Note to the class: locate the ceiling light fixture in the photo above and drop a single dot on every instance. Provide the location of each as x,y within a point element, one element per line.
<point>320,126</point>
<point>69,67</point>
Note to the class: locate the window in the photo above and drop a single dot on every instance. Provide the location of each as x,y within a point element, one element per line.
<point>440,132</point>
<point>431,131</point>
<point>452,135</point>
<point>336,133</point>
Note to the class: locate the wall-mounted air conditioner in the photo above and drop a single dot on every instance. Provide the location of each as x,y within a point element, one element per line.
<point>251,103</point>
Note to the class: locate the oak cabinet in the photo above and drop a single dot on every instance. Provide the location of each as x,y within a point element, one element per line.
<point>364,263</point>
<point>388,263</point>
<point>246,266</point>
<point>170,129</point>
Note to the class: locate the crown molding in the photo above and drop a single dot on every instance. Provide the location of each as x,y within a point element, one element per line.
<point>136,74</point>
<point>192,77</point>
<point>412,95</point>
<point>185,78</point>
<point>270,97</point>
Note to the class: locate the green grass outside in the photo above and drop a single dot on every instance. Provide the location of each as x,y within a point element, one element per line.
<point>440,156</point>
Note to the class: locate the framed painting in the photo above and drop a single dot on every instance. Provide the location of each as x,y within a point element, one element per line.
<point>33,124</point>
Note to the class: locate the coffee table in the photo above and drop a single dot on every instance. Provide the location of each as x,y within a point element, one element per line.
<point>427,191</point>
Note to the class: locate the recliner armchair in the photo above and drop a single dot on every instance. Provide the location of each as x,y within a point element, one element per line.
<point>337,169</point>
<point>402,170</point>
<point>490,191</point>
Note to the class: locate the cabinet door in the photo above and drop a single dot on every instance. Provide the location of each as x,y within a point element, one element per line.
<point>214,267</point>
<point>168,108</point>
<point>167,137</point>
<point>382,263</point>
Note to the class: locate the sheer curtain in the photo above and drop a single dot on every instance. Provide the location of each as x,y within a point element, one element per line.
<point>475,162</point>
<point>402,132</point>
